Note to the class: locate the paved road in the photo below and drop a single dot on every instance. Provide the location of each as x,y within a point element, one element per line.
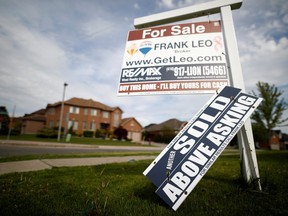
<point>20,148</point>
<point>9,148</point>
<point>16,150</point>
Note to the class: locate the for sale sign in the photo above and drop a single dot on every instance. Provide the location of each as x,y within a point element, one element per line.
<point>182,164</point>
<point>174,59</point>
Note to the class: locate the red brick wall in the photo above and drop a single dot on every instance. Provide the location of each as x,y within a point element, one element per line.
<point>81,117</point>
<point>32,127</point>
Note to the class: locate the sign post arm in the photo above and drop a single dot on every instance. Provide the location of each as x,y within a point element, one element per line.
<point>246,142</point>
<point>181,14</point>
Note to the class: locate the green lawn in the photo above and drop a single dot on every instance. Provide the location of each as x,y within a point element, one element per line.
<point>121,189</point>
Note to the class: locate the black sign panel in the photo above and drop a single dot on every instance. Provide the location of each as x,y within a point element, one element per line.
<point>180,166</point>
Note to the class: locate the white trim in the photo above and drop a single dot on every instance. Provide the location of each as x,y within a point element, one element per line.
<point>185,13</point>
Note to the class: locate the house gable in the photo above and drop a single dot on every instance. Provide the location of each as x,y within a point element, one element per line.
<point>33,122</point>
<point>131,124</point>
<point>174,124</point>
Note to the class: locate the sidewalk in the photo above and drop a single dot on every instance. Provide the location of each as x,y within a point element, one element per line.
<point>42,164</point>
<point>36,165</point>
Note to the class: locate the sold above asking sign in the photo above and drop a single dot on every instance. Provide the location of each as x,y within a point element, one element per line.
<point>182,164</point>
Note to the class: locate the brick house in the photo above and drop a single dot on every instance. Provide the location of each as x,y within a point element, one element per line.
<point>82,115</point>
<point>133,127</point>
<point>165,131</point>
<point>33,122</point>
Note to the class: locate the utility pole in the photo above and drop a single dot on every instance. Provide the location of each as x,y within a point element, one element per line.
<point>61,113</point>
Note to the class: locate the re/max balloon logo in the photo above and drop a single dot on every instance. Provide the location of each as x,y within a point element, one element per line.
<point>144,47</point>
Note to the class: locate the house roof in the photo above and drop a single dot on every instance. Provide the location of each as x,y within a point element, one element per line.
<point>150,125</point>
<point>173,123</point>
<point>38,115</point>
<point>35,118</point>
<point>127,120</point>
<point>80,102</point>
<point>38,112</point>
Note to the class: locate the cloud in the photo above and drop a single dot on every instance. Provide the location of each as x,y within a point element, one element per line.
<point>165,4</point>
<point>29,60</point>
<point>169,4</point>
<point>40,51</point>
<point>46,43</point>
<point>136,6</point>
<point>263,42</point>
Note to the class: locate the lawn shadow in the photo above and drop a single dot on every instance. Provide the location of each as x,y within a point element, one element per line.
<point>147,193</point>
<point>221,179</point>
<point>233,182</point>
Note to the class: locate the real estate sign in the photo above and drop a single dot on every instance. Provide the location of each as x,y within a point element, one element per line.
<point>174,59</point>
<point>182,164</point>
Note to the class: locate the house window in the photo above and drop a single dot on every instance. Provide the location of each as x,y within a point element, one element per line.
<point>93,112</point>
<point>74,110</point>
<point>116,119</point>
<point>93,126</point>
<point>86,111</point>
<point>51,124</point>
<point>73,124</point>
<point>84,125</point>
<point>105,114</point>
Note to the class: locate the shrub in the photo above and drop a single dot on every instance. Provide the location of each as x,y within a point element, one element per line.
<point>48,133</point>
<point>88,133</point>
<point>121,133</point>
<point>71,131</point>
<point>101,133</point>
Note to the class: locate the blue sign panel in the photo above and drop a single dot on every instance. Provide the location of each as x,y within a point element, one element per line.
<point>180,166</point>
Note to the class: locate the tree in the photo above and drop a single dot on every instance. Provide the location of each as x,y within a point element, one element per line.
<point>121,133</point>
<point>4,121</point>
<point>167,134</point>
<point>269,113</point>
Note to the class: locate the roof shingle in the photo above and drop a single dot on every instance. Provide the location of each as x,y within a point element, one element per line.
<point>80,102</point>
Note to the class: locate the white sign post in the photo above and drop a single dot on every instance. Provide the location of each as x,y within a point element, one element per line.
<point>245,136</point>
<point>246,143</point>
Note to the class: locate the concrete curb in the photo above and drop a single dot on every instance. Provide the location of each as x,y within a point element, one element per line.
<point>92,161</point>
<point>45,144</point>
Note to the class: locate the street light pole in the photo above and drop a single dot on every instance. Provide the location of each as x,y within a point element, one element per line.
<point>61,113</point>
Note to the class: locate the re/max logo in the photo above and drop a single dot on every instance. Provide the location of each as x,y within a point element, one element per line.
<point>135,72</point>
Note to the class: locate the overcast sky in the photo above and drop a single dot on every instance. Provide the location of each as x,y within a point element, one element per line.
<point>46,43</point>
